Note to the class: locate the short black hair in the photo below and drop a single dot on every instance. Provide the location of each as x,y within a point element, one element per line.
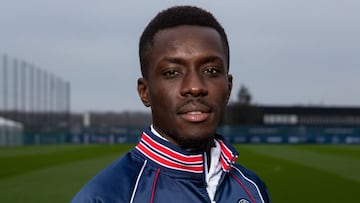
<point>176,16</point>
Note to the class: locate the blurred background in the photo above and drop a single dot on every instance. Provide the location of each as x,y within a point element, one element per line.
<point>68,75</point>
<point>70,68</point>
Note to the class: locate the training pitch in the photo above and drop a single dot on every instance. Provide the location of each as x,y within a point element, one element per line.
<point>293,173</point>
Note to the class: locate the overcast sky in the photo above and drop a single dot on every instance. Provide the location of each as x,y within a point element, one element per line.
<point>286,52</point>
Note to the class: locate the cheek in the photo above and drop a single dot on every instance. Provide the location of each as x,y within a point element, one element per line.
<point>222,92</point>
<point>162,96</point>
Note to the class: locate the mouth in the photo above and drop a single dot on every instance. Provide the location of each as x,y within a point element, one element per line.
<point>194,113</point>
<point>195,116</point>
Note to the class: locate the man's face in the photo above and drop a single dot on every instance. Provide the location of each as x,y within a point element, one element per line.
<point>187,84</point>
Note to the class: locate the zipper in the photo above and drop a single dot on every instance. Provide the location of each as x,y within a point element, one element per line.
<point>206,171</point>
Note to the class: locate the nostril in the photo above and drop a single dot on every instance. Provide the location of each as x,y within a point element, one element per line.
<point>195,92</point>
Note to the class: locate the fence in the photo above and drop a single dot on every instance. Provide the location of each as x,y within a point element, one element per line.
<point>32,97</point>
<point>27,88</point>
<point>235,134</point>
<point>292,134</point>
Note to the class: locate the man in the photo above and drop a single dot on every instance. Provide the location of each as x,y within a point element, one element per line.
<point>184,57</point>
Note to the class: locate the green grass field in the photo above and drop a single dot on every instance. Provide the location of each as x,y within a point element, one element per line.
<point>293,173</point>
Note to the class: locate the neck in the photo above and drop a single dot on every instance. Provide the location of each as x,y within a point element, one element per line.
<point>191,145</point>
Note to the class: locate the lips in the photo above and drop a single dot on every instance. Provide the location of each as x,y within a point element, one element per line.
<point>194,112</point>
<point>195,116</point>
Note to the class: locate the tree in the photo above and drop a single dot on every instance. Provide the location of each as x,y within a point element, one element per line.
<point>242,112</point>
<point>244,96</point>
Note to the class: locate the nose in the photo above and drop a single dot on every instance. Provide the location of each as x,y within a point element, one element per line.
<point>193,84</point>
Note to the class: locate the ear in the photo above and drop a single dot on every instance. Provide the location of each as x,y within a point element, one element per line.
<point>143,90</point>
<point>230,85</point>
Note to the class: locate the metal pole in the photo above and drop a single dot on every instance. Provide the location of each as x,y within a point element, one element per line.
<point>52,93</point>
<point>16,88</point>
<point>57,95</point>
<point>51,100</point>
<point>31,88</point>
<point>23,93</point>
<point>23,87</point>
<point>58,100</point>
<point>38,99</point>
<point>5,98</point>
<point>67,105</point>
<point>45,97</point>
<point>31,98</point>
<point>68,95</point>
<point>5,84</point>
<point>38,90</point>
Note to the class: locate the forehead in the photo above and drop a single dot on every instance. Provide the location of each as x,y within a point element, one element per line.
<point>187,38</point>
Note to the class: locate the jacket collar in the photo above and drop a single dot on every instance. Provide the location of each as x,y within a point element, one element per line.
<point>170,156</point>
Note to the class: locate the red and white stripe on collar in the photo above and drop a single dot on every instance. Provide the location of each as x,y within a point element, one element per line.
<point>227,158</point>
<point>168,157</point>
<point>175,160</point>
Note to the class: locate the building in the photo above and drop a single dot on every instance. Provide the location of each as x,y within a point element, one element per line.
<point>311,115</point>
<point>11,132</point>
<point>292,124</point>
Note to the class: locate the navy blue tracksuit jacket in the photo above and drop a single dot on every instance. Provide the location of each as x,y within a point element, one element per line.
<point>156,171</point>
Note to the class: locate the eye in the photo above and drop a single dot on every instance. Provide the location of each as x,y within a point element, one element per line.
<point>170,73</point>
<point>212,71</point>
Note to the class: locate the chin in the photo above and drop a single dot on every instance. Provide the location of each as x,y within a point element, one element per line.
<point>196,143</point>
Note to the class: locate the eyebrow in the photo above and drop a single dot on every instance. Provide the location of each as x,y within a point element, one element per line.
<point>208,59</point>
<point>211,59</point>
<point>174,60</point>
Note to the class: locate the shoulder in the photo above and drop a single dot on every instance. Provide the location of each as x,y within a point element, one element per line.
<point>112,184</point>
<point>249,179</point>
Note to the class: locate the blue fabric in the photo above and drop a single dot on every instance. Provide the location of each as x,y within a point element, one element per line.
<point>136,177</point>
